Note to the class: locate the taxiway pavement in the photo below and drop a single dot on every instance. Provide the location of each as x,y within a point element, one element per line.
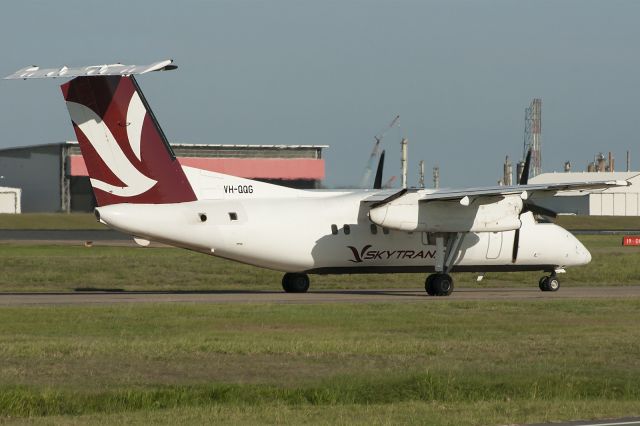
<point>313,297</point>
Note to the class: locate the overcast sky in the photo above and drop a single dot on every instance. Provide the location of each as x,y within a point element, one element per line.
<point>459,73</point>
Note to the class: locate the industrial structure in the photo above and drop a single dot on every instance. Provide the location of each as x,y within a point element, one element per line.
<point>507,173</point>
<point>532,134</point>
<point>53,177</point>
<point>403,161</point>
<point>619,201</point>
<point>436,177</point>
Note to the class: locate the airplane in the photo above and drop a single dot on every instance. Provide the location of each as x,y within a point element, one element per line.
<point>142,190</point>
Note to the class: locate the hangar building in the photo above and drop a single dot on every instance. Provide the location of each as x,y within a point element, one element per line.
<point>53,177</point>
<point>620,201</point>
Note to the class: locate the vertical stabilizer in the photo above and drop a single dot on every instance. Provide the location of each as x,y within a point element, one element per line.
<point>127,155</point>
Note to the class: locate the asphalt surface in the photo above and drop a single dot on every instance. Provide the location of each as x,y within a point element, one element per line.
<point>312,297</point>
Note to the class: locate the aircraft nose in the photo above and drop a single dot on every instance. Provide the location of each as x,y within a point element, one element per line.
<point>583,253</point>
<point>586,254</point>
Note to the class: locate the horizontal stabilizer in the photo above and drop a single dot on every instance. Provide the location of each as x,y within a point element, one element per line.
<point>91,70</point>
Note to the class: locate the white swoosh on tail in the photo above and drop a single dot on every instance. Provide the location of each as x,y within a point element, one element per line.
<point>102,140</point>
<point>135,119</point>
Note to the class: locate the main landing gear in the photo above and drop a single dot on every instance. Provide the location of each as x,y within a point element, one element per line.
<point>439,285</point>
<point>447,247</point>
<point>295,283</point>
<point>549,283</point>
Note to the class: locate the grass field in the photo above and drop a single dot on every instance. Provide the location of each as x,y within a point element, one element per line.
<point>451,363</point>
<point>599,222</point>
<point>65,268</point>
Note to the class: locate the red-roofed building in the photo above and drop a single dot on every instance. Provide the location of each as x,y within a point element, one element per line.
<point>53,177</point>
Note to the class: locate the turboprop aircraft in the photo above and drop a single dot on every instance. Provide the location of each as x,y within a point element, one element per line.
<point>142,190</point>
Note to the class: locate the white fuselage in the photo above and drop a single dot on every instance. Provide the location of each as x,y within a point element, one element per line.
<point>330,232</point>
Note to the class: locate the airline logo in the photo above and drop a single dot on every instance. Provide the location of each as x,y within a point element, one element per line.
<point>100,137</point>
<point>366,253</point>
<point>127,156</point>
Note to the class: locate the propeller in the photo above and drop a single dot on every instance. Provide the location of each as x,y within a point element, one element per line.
<point>527,206</point>
<point>377,183</point>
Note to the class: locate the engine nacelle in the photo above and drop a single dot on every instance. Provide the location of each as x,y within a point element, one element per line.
<point>482,214</point>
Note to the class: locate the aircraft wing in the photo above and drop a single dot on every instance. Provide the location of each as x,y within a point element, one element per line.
<point>526,190</point>
<point>486,209</point>
<point>382,195</point>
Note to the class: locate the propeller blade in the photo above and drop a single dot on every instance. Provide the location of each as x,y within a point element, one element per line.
<point>377,183</point>
<point>516,243</point>
<point>524,178</point>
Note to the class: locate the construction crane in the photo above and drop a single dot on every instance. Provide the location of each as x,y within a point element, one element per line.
<point>366,176</point>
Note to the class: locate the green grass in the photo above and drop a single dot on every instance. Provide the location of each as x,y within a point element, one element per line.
<point>64,268</point>
<point>451,363</point>
<point>599,222</point>
<point>50,221</point>
<point>447,363</point>
<point>415,412</point>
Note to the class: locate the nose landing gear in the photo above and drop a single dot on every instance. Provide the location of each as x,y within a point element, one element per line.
<point>549,283</point>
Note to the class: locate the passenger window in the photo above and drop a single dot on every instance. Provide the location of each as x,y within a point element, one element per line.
<point>385,231</point>
<point>233,216</point>
<point>374,229</point>
<point>347,229</point>
<point>334,229</point>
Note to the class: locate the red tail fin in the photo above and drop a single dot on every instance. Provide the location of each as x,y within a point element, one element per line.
<point>127,155</point>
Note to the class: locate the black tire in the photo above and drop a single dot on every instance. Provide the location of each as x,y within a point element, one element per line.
<point>542,284</point>
<point>428,285</point>
<point>441,284</point>
<point>295,283</point>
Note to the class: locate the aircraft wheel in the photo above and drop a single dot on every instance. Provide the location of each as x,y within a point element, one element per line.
<point>542,283</point>
<point>550,283</point>
<point>553,284</point>
<point>428,285</point>
<point>295,283</point>
<point>439,284</point>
